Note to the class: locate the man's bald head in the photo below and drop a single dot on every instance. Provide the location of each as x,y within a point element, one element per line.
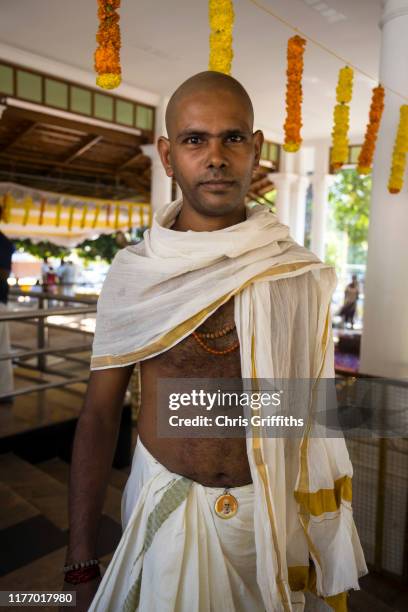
<point>211,149</point>
<point>207,81</point>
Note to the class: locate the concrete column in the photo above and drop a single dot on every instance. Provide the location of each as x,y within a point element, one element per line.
<point>298,208</point>
<point>384,350</point>
<point>283,182</point>
<point>161,183</point>
<point>321,183</point>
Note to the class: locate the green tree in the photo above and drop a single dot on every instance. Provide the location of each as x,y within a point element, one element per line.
<point>103,247</point>
<point>350,203</point>
<point>41,249</point>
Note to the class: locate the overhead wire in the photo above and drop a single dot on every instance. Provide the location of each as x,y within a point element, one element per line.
<point>317,43</point>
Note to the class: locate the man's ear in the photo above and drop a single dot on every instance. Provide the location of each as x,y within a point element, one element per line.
<point>163,147</point>
<point>258,139</point>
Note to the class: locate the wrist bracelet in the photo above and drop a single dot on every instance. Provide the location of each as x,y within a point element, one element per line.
<point>84,574</point>
<point>80,565</point>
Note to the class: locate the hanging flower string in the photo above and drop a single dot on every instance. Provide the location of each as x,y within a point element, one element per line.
<point>293,123</point>
<point>221,17</point>
<point>399,156</point>
<point>344,91</point>
<point>365,159</point>
<point>107,55</point>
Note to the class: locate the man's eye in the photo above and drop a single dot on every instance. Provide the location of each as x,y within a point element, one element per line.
<point>236,138</point>
<point>193,140</point>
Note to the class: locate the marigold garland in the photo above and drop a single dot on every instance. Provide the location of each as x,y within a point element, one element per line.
<point>344,90</point>
<point>365,158</point>
<point>107,55</point>
<point>293,122</point>
<point>221,17</point>
<point>399,156</point>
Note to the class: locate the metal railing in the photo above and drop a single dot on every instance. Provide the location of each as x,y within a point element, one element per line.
<point>39,317</point>
<point>380,466</point>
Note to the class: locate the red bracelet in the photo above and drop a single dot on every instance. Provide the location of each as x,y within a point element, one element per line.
<point>84,574</point>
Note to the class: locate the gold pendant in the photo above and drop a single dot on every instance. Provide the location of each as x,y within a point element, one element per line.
<point>226,505</point>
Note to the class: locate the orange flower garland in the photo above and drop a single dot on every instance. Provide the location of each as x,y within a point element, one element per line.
<point>293,123</point>
<point>107,55</point>
<point>365,159</point>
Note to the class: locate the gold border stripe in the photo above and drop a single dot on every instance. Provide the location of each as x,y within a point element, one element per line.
<point>304,516</point>
<point>303,578</point>
<point>298,576</point>
<point>261,467</point>
<point>326,500</point>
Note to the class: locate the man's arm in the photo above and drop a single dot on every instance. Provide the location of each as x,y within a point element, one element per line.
<point>94,446</point>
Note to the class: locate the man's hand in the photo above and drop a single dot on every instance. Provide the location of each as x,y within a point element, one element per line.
<point>85,593</point>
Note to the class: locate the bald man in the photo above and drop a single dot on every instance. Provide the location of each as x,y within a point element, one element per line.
<point>178,304</point>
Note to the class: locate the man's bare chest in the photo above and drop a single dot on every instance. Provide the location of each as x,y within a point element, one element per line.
<point>189,358</point>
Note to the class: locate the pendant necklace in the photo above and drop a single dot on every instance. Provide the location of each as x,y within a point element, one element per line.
<point>226,505</point>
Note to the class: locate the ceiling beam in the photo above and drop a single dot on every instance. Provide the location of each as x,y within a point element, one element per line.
<point>52,163</point>
<point>106,133</point>
<point>20,136</point>
<point>131,181</point>
<point>83,147</point>
<point>129,161</point>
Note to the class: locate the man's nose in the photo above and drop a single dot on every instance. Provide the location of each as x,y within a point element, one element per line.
<point>216,154</point>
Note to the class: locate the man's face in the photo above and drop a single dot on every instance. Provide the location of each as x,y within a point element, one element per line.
<point>213,151</point>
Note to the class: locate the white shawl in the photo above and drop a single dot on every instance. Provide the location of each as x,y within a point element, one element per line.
<point>157,292</point>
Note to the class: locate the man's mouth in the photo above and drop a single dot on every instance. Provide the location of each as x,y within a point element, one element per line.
<point>217,185</point>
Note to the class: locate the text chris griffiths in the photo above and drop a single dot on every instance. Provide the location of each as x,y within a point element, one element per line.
<point>226,421</point>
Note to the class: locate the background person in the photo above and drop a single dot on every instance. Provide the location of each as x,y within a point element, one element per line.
<point>67,275</point>
<point>348,310</point>
<point>45,266</point>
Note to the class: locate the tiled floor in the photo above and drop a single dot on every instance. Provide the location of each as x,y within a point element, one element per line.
<point>34,522</point>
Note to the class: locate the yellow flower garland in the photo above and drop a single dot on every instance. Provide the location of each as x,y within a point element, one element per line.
<point>221,17</point>
<point>344,90</point>
<point>365,158</point>
<point>293,123</point>
<point>107,55</point>
<point>399,156</point>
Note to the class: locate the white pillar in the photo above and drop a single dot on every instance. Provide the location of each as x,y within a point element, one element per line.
<point>384,350</point>
<point>283,182</point>
<point>321,183</point>
<point>160,183</point>
<point>298,208</point>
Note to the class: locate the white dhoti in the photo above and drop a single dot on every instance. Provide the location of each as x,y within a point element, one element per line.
<point>176,554</point>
